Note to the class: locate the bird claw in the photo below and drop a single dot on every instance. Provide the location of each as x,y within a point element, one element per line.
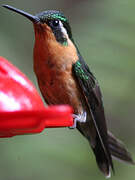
<point>78,118</point>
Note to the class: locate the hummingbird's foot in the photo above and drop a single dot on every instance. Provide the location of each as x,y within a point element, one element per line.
<point>78,118</point>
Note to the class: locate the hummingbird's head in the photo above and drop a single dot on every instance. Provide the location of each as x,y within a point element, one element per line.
<point>57,23</point>
<point>50,24</point>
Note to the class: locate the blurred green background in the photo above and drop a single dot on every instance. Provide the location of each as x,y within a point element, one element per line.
<point>105,33</point>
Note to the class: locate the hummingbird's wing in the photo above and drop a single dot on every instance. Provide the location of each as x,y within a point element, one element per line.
<point>93,99</point>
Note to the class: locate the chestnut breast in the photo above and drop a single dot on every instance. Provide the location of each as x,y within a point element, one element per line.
<point>53,67</point>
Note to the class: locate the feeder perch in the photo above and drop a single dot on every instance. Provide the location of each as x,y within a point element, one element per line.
<point>22,110</point>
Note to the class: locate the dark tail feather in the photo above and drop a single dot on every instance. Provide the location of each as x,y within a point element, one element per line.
<point>101,159</point>
<point>104,161</point>
<point>118,150</point>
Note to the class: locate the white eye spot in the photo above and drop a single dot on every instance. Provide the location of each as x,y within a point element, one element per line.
<point>63,30</point>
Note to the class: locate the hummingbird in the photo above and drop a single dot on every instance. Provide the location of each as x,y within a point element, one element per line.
<point>64,78</point>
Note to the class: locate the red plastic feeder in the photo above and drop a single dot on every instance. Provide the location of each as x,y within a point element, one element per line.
<point>21,108</point>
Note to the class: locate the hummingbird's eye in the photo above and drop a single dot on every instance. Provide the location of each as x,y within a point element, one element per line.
<point>55,23</point>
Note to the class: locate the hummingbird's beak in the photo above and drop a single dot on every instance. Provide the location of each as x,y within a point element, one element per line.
<point>32,18</point>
